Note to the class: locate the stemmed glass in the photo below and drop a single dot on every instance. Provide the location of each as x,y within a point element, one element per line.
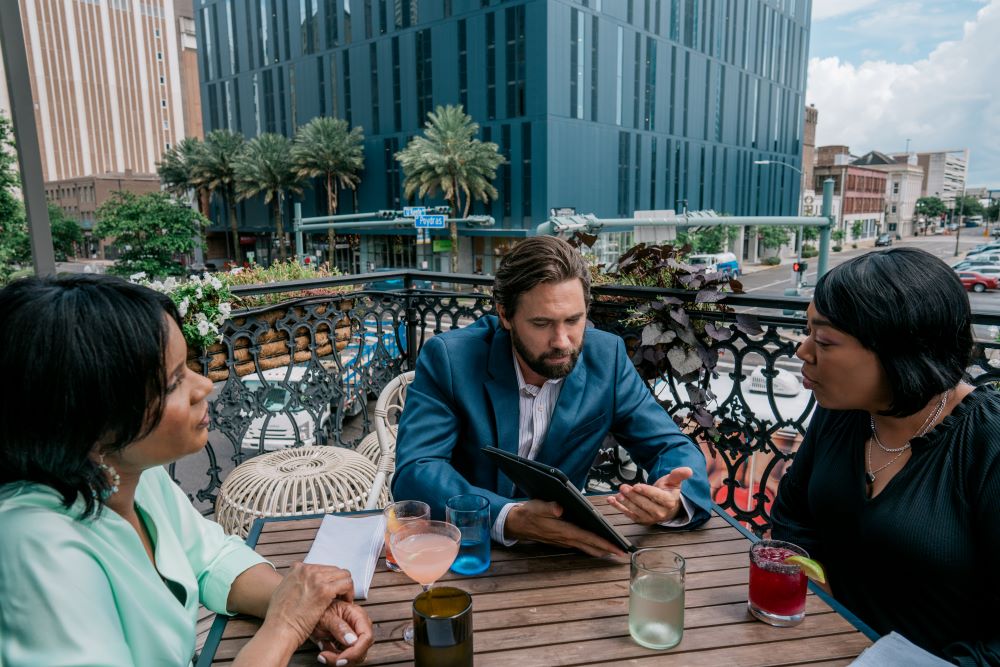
<point>425,550</point>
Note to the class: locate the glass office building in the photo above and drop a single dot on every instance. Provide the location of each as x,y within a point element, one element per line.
<point>604,106</point>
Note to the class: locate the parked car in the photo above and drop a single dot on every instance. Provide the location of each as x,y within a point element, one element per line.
<point>984,247</point>
<point>990,256</point>
<point>725,263</point>
<point>992,270</point>
<point>395,282</point>
<point>883,240</point>
<point>967,265</point>
<point>977,282</point>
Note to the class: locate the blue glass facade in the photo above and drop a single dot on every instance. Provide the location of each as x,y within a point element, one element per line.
<point>686,93</point>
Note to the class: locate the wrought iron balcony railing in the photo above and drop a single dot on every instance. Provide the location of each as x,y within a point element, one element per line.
<point>289,374</point>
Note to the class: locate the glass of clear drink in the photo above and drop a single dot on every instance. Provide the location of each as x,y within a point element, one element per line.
<point>397,514</point>
<point>471,513</point>
<point>777,590</point>
<point>656,598</point>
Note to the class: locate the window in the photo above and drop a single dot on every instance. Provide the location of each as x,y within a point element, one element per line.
<point>321,85</point>
<point>526,170</point>
<point>163,104</point>
<point>652,178</point>
<point>623,173</point>
<point>575,65</point>
<point>463,66</point>
<point>649,118</point>
<point>636,81</point>
<point>406,13</point>
<point>491,66</point>
<point>163,80</point>
<point>425,92</point>
<point>308,13</point>
<point>159,56</point>
<point>895,187</point>
<point>234,59</point>
<point>383,21</point>
<point>620,71</point>
<point>392,189</point>
<point>368,19</point>
<point>347,86</point>
<point>505,169</point>
<point>397,103</point>
<point>373,57</point>
<point>347,21</point>
<point>516,62</point>
<point>330,10</point>
<point>594,70</point>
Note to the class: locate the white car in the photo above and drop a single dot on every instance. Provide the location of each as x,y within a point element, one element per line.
<point>992,256</point>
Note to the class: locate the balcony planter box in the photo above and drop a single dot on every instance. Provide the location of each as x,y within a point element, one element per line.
<point>272,343</point>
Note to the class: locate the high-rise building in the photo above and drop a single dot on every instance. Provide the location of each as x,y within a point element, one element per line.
<point>114,85</point>
<point>944,173</point>
<point>606,107</point>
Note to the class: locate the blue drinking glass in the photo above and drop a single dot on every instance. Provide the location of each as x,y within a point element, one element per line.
<point>471,514</point>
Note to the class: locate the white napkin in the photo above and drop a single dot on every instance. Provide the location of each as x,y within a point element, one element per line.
<point>895,649</point>
<point>351,542</point>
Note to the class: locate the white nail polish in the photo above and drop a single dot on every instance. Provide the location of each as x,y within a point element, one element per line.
<point>350,638</point>
<point>341,662</point>
<point>320,659</point>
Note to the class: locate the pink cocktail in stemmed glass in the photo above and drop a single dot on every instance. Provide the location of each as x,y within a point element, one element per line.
<point>425,550</point>
<point>777,592</point>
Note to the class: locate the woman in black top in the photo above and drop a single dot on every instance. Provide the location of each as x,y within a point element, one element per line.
<point>896,487</point>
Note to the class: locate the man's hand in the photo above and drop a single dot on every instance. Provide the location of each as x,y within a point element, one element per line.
<point>539,521</point>
<point>652,504</point>
<point>344,634</point>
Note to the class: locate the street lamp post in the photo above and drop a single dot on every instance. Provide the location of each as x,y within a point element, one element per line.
<point>798,211</point>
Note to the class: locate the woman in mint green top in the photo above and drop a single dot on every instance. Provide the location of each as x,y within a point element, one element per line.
<point>103,560</point>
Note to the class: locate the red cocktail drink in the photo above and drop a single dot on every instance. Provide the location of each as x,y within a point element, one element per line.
<point>777,590</point>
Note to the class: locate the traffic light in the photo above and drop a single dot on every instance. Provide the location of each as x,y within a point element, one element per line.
<point>800,267</point>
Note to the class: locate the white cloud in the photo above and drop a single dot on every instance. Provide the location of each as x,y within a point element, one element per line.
<point>825,9</point>
<point>948,100</point>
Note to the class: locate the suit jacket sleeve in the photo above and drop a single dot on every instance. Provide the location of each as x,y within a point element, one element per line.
<point>428,434</point>
<point>652,438</point>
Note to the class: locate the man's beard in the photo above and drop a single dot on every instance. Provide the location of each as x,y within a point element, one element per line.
<point>537,364</point>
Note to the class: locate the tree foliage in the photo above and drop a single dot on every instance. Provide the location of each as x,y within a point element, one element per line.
<point>150,231</point>
<point>967,206</point>
<point>931,208</point>
<point>447,159</point>
<point>708,239</point>
<point>66,234</point>
<point>773,236</point>
<point>326,148</point>
<point>217,173</point>
<point>265,167</point>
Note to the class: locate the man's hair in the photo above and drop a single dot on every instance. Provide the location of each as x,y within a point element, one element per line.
<point>536,260</point>
<point>910,309</point>
<point>83,356</point>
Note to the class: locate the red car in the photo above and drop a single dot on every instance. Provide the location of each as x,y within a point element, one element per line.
<point>977,282</point>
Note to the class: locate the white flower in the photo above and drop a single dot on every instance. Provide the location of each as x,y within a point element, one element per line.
<point>235,270</point>
<point>225,308</point>
<point>200,317</point>
<point>182,307</point>
<point>204,326</point>
<point>198,293</point>
<point>136,277</point>
<point>215,282</point>
<point>170,284</point>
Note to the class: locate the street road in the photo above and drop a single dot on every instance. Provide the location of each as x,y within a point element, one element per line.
<point>776,280</point>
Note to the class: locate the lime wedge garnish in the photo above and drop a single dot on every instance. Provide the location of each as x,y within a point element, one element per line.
<point>810,568</point>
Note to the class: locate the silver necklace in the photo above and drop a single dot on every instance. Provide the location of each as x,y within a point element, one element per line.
<point>928,423</point>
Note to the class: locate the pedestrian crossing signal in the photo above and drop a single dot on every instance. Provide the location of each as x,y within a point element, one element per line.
<point>799,267</point>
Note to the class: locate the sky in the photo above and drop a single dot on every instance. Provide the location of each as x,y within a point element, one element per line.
<point>884,71</point>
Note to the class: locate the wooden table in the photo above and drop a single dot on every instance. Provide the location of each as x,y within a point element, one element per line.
<point>540,606</point>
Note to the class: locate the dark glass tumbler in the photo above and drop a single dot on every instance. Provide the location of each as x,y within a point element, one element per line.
<point>442,628</point>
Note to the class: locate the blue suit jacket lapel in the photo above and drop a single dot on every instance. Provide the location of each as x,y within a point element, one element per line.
<point>556,451</point>
<point>502,389</point>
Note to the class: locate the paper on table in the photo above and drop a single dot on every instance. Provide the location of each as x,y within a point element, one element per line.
<point>351,542</point>
<point>895,649</point>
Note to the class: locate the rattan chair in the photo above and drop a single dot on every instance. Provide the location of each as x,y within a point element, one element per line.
<point>388,409</point>
<point>298,481</point>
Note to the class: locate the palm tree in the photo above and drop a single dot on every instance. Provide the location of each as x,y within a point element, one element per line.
<point>180,172</point>
<point>447,158</point>
<point>325,147</point>
<point>218,158</point>
<point>265,167</point>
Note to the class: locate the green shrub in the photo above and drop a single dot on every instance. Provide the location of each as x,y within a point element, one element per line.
<point>771,261</point>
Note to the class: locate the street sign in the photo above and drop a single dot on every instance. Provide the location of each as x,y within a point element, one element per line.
<point>413,211</point>
<point>429,222</point>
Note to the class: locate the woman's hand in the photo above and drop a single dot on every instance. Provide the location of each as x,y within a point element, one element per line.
<point>304,595</point>
<point>344,634</point>
<point>295,610</point>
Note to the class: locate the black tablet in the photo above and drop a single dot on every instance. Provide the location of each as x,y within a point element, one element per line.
<point>543,482</point>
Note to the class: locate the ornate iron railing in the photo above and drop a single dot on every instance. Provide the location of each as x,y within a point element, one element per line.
<point>289,374</point>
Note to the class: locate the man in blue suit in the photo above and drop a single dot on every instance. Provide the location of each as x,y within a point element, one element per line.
<point>536,381</point>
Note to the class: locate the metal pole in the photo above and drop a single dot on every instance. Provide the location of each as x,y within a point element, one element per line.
<point>29,158</point>
<point>300,250</point>
<point>824,232</point>
<point>958,230</point>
